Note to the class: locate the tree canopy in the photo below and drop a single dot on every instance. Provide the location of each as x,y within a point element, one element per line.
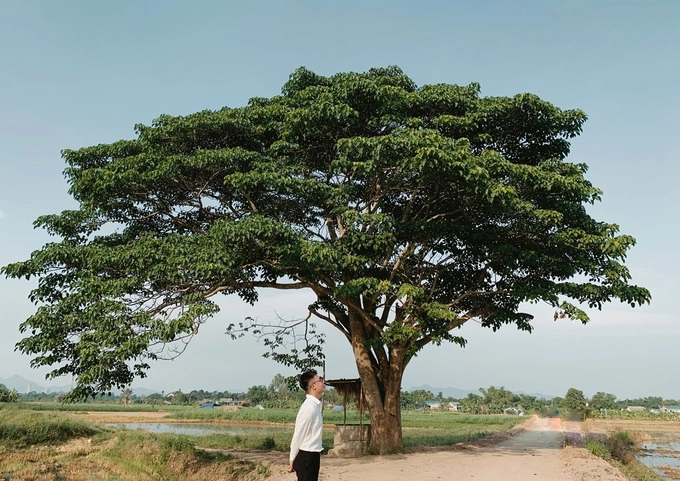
<point>407,211</point>
<point>8,396</point>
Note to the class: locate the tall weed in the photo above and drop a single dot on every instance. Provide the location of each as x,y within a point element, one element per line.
<point>24,428</point>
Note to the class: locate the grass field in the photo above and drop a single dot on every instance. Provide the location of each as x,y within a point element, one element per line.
<point>52,441</point>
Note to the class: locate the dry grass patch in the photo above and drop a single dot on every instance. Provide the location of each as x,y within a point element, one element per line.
<point>59,447</point>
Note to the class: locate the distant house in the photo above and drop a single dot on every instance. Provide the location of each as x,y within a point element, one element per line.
<point>432,405</point>
<point>453,406</point>
<point>636,408</point>
<point>514,410</point>
<point>670,409</point>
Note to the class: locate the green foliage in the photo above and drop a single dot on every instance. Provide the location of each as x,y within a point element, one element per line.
<point>574,401</point>
<point>602,400</point>
<point>621,446</point>
<point>494,401</point>
<point>267,443</point>
<point>641,415</point>
<point>7,396</point>
<point>415,399</point>
<point>407,211</point>
<point>256,394</point>
<point>598,448</point>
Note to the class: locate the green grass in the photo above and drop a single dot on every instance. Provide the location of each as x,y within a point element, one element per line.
<point>240,415</point>
<point>419,428</point>
<point>91,406</point>
<point>445,429</point>
<point>24,428</point>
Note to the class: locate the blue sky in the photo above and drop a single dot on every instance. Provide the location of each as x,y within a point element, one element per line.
<point>79,73</point>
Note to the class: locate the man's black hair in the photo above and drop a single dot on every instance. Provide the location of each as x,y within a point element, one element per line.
<point>305,377</point>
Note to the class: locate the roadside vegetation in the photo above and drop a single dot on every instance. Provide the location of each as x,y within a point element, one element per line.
<point>619,449</point>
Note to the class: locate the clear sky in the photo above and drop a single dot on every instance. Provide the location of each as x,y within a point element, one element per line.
<point>76,73</point>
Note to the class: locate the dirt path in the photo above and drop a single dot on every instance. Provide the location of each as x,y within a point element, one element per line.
<point>533,453</point>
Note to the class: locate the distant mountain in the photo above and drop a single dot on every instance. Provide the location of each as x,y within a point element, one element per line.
<point>23,386</point>
<point>142,391</point>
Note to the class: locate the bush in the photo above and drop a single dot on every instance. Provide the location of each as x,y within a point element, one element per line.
<point>622,447</point>
<point>268,443</point>
<point>598,448</point>
<point>7,396</point>
<point>619,446</point>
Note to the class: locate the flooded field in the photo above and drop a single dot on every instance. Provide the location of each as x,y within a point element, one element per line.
<point>659,441</point>
<point>200,429</point>
<point>662,457</point>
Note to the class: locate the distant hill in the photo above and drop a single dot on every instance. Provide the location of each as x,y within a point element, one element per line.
<point>23,386</point>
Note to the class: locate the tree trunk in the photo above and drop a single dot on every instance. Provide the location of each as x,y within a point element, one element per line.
<point>386,437</point>
<point>381,373</point>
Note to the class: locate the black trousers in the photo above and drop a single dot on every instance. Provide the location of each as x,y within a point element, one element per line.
<point>306,466</point>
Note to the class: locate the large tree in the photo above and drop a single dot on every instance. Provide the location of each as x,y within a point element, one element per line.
<point>407,211</point>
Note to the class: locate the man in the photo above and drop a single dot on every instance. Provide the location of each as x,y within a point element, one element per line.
<point>306,446</point>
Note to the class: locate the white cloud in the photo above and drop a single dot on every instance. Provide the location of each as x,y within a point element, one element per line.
<point>2,214</point>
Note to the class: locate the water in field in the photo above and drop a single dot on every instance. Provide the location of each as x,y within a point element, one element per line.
<point>663,457</point>
<point>200,429</point>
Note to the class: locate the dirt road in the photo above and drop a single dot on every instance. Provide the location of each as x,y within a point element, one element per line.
<point>533,453</point>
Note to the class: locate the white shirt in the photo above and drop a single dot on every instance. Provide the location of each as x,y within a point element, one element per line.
<point>308,428</point>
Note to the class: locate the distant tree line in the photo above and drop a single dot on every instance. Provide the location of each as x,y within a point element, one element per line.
<point>497,400</point>
<point>283,392</point>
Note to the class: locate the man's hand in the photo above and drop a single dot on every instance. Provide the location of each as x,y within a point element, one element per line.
<point>290,467</point>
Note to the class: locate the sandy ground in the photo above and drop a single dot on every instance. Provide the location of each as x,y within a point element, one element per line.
<point>534,451</point>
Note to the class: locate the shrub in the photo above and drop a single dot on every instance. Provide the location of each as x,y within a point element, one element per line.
<point>598,448</point>
<point>619,446</point>
<point>7,396</point>
<point>622,447</point>
<point>267,443</point>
